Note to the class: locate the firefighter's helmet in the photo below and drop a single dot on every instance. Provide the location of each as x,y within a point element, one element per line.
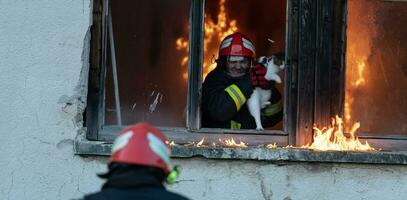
<point>237,44</point>
<point>141,144</point>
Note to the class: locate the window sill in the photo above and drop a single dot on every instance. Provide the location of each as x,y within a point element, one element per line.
<point>182,135</point>
<point>86,147</point>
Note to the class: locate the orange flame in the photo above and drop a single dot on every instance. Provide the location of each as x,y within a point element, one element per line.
<point>226,142</point>
<point>271,146</point>
<point>170,143</point>
<point>200,142</point>
<point>231,143</point>
<point>197,144</point>
<point>359,48</point>
<point>361,68</point>
<point>355,81</point>
<point>214,33</point>
<point>323,141</point>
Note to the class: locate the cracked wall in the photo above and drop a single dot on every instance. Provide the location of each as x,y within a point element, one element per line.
<point>44,48</point>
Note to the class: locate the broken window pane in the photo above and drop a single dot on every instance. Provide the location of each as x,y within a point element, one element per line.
<point>376,68</point>
<point>150,75</point>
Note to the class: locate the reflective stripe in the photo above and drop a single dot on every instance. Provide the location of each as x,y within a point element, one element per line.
<point>235,125</point>
<point>226,43</point>
<point>236,95</point>
<point>248,44</point>
<point>272,109</point>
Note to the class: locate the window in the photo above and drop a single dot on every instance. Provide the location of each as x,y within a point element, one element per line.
<point>376,70</point>
<point>149,59</point>
<point>376,89</point>
<point>136,68</point>
<point>151,65</point>
<point>149,82</point>
<point>262,21</point>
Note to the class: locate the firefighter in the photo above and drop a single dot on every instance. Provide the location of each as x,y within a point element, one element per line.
<point>227,87</point>
<point>139,165</point>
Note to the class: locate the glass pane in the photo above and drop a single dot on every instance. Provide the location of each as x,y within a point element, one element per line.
<point>376,76</point>
<point>149,70</point>
<point>260,20</point>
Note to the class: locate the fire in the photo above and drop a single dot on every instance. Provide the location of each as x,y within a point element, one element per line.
<point>197,144</point>
<point>332,138</point>
<point>354,82</point>
<point>325,139</point>
<point>226,142</point>
<point>231,143</point>
<point>214,33</point>
<point>271,146</point>
<point>361,68</point>
<point>170,143</point>
<point>359,48</point>
<point>200,142</point>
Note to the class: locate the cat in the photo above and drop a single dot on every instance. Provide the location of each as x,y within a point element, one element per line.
<point>260,97</point>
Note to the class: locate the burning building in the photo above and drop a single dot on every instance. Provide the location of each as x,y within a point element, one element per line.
<point>73,73</point>
<point>160,95</point>
<point>376,67</point>
<point>356,61</point>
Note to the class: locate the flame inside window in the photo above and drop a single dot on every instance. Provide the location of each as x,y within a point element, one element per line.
<point>376,67</point>
<point>214,33</point>
<point>223,18</point>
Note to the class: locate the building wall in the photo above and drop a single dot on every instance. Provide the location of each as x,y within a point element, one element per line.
<point>44,49</point>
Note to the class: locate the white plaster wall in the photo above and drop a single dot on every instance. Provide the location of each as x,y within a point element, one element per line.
<point>43,49</point>
<point>216,179</point>
<point>43,70</point>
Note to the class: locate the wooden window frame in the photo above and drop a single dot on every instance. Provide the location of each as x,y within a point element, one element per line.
<point>314,77</point>
<point>322,58</point>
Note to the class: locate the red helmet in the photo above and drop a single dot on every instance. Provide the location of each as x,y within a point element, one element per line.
<point>237,44</point>
<point>141,144</point>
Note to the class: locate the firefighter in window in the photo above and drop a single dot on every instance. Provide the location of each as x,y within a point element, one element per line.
<point>138,167</point>
<point>226,89</point>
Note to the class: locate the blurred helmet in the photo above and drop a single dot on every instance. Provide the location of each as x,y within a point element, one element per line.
<point>141,144</point>
<point>237,44</point>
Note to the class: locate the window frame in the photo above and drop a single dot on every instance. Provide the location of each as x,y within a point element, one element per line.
<point>95,112</point>
<point>308,35</point>
<point>334,36</point>
<point>394,141</point>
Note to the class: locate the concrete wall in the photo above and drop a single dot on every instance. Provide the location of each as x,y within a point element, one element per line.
<point>43,65</point>
<point>44,49</point>
<point>214,179</point>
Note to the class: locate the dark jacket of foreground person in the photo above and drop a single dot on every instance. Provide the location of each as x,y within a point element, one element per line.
<point>127,183</point>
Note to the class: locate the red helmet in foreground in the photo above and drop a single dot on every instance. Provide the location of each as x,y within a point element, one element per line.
<point>141,144</point>
<point>237,44</point>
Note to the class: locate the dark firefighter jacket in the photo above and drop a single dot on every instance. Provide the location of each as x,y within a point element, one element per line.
<point>133,185</point>
<point>224,102</point>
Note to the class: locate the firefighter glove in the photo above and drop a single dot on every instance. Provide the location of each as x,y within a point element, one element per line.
<point>257,73</point>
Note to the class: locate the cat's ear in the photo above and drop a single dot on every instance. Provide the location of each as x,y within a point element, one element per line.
<point>282,66</point>
<point>262,60</point>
